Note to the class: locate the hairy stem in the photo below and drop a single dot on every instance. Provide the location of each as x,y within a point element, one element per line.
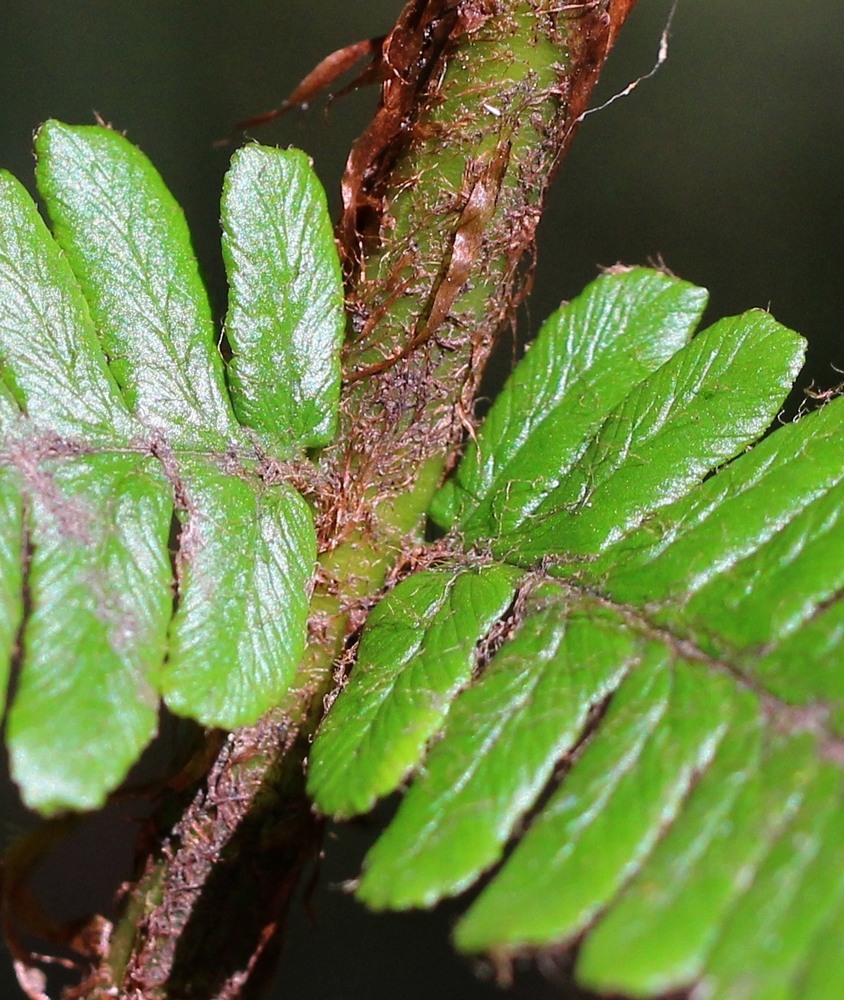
<point>442,196</point>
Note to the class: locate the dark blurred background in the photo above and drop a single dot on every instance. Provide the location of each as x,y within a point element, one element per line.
<point>728,165</point>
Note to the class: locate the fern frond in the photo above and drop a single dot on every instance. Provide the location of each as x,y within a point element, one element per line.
<point>119,433</point>
<point>659,736</point>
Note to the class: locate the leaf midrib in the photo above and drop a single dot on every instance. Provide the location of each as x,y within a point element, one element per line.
<point>47,446</point>
<point>784,716</point>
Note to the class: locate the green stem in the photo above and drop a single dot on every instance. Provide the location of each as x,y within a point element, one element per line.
<point>442,197</point>
<point>442,203</point>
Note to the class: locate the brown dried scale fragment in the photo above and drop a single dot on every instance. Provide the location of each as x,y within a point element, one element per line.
<point>409,54</point>
<point>323,75</point>
<point>484,183</point>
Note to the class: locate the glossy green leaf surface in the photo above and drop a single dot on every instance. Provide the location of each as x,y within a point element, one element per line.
<point>128,243</point>
<point>801,880</point>
<point>528,709</point>
<point>115,420</point>
<point>705,841</point>
<point>585,358</point>
<point>822,974</point>
<point>417,652</point>
<point>663,727</point>
<point>700,409</point>
<point>12,538</point>
<point>654,748</point>
<point>285,322</point>
<point>49,352</point>
<point>11,571</point>
<point>246,559</point>
<point>752,559</point>
<point>95,638</point>
<point>660,933</point>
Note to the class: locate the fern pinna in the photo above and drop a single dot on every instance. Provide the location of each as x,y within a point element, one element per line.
<point>121,426</point>
<point>656,728</point>
<point>614,689</point>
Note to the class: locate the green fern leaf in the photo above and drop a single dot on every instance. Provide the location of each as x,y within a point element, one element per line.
<point>117,419</point>
<point>11,550</point>
<point>417,653</point>
<point>95,638</point>
<point>246,556</point>
<point>700,409</point>
<point>535,695</point>
<point>128,244</point>
<point>285,299</point>
<point>663,715</point>
<point>583,362</point>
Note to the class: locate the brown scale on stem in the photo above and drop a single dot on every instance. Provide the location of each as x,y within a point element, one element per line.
<point>484,183</point>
